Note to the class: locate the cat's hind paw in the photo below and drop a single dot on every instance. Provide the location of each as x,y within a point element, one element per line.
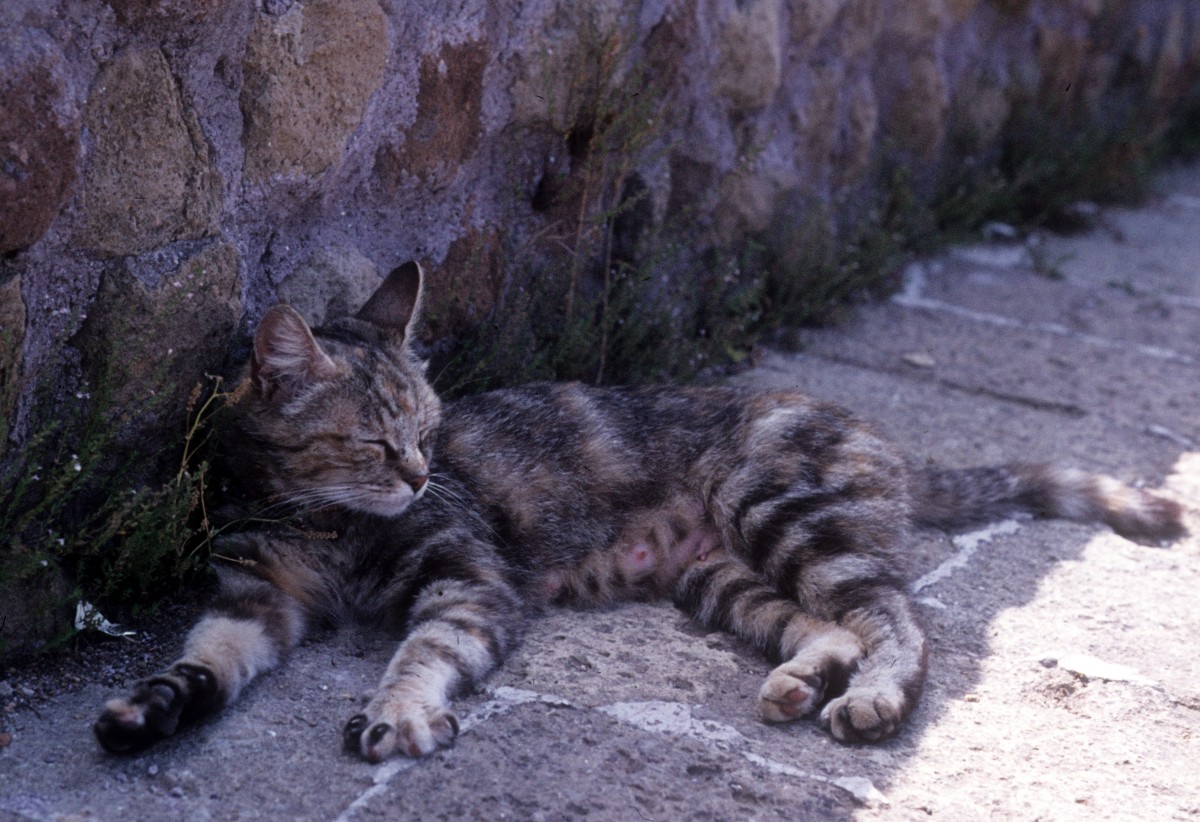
<point>409,729</point>
<point>790,692</point>
<point>155,709</point>
<point>135,723</point>
<point>862,715</point>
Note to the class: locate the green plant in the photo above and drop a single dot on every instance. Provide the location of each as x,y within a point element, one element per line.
<point>588,307</point>
<point>75,521</point>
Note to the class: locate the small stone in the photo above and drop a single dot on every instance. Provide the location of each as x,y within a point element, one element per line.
<point>1088,667</point>
<point>5,740</point>
<point>919,360</point>
<point>152,770</point>
<point>6,689</point>
<point>999,231</point>
<point>1048,662</point>
<point>997,256</point>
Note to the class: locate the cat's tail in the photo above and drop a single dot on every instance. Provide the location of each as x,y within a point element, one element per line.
<point>953,498</point>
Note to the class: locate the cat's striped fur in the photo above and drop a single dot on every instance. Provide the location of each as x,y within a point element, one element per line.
<point>774,517</point>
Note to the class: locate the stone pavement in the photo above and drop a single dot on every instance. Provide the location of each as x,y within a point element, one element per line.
<point>1064,667</point>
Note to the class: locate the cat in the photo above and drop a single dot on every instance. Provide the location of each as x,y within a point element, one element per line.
<point>777,518</point>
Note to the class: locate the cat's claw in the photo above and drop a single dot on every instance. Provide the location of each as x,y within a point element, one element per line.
<point>415,733</point>
<point>862,717</point>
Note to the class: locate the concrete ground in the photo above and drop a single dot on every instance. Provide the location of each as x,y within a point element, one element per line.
<point>1064,674</point>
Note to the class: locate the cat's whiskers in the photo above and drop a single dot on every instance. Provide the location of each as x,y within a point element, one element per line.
<point>456,501</point>
<point>316,497</point>
<point>443,491</point>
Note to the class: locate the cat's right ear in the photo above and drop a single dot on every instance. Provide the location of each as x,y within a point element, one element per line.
<point>395,305</point>
<point>285,356</point>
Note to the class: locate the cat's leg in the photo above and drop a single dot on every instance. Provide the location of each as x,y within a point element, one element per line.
<point>818,656</point>
<point>885,688</point>
<point>826,518</point>
<point>247,629</point>
<point>459,630</point>
<point>833,549</point>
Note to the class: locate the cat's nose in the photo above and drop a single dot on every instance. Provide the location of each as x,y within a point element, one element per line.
<point>418,483</point>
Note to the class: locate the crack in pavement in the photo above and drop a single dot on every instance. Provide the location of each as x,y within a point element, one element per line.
<point>1036,403</point>
<point>967,545</point>
<point>913,296</point>
<point>668,718</point>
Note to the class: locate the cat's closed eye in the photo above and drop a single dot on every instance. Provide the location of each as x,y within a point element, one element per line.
<point>386,450</point>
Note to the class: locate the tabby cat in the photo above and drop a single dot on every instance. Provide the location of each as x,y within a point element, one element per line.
<point>772,516</point>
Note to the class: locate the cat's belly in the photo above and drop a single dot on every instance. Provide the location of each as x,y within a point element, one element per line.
<point>651,552</point>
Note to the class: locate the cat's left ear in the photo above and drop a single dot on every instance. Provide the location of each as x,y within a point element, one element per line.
<point>395,305</point>
<point>285,357</point>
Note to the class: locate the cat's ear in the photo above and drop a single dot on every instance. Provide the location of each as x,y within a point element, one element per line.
<point>285,356</point>
<point>396,303</point>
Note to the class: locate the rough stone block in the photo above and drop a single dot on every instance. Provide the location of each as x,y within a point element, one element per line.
<point>39,137</point>
<point>982,109</point>
<point>141,343</point>
<point>148,180</point>
<point>918,117</point>
<point>747,204</point>
<point>467,285</point>
<point>916,23</point>
<point>858,148</point>
<point>812,19</point>
<point>334,282</point>
<point>447,129</point>
<point>750,66</point>
<point>309,74</point>
<point>859,28</point>
<point>12,336</point>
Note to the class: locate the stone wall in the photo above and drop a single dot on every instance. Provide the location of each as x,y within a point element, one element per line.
<point>170,168</point>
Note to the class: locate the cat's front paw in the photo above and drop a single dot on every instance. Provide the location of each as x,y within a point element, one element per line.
<point>862,715</point>
<point>791,691</point>
<point>410,728</point>
<point>155,709</point>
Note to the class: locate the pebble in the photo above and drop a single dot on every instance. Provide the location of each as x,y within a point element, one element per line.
<point>919,360</point>
<point>1048,662</point>
<point>1000,231</point>
<point>6,689</point>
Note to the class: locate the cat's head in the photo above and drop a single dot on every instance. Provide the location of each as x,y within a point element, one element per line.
<point>341,416</point>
